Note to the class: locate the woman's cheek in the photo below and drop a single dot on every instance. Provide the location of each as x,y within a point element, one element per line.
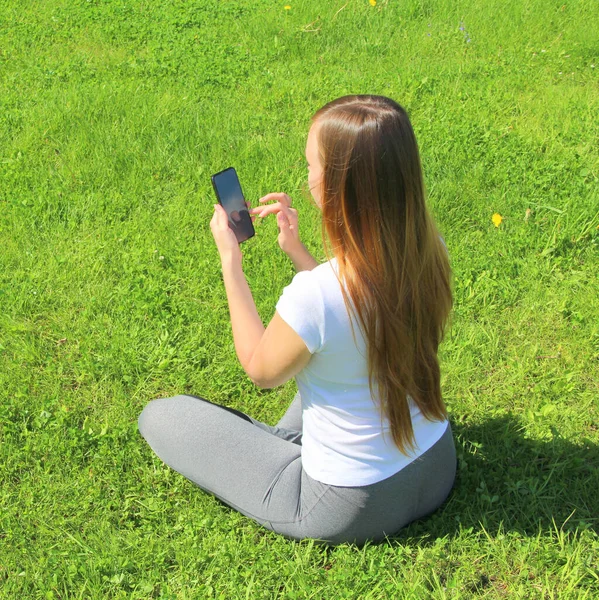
<point>314,183</point>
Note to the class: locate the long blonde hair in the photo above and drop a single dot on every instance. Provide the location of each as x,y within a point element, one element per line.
<point>392,261</point>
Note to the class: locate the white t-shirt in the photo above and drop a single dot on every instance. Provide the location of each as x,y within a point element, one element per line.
<point>345,442</point>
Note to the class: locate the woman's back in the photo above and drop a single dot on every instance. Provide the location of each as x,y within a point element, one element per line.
<point>395,269</point>
<point>346,441</point>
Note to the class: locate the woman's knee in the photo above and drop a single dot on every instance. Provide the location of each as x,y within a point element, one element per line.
<point>160,415</point>
<point>168,417</point>
<point>150,418</point>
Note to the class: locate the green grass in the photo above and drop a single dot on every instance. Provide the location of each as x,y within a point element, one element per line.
<point>113,114</point>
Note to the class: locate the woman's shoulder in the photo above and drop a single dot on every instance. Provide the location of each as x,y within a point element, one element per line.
<point>316,288</point>
<point>325,276</point>
<point>326,270</point>
<point>319,275</point>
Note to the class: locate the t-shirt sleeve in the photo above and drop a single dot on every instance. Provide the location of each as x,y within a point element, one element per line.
<point>301,307</point>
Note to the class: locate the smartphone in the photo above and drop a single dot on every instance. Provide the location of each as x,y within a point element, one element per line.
<point>228,192</point>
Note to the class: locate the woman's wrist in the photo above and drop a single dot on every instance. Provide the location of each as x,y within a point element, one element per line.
<point>295,249</point>
<point>302,259</point>
<point>230,260</point>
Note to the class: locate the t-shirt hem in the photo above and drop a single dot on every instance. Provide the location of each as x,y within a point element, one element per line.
<point>376,477</point>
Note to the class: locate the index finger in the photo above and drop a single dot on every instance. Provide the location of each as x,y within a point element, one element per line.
<point>279,196</point>
<point>271,209</point>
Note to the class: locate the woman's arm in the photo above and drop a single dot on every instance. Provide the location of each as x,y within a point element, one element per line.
<point>269,356</point>
<point>302,260</point>
<point>246,324</point>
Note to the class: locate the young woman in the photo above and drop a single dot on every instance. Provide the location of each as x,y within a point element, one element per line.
<point>365,446</point>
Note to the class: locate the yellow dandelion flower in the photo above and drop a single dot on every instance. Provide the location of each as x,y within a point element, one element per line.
<point>372,2</point>
<point>496,218</point>
<point>288,7</point>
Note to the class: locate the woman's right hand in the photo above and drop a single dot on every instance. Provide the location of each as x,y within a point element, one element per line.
<point>289,240</point>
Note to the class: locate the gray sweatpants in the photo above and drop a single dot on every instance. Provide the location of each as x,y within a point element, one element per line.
<point>257,469</point>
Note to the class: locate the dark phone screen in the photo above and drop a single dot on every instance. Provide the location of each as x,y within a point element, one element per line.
<point>229,194</point>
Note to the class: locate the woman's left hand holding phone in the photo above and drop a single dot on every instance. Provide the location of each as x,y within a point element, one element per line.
<point>226,242</point>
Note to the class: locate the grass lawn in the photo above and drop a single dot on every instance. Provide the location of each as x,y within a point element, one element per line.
<point>113,115</point>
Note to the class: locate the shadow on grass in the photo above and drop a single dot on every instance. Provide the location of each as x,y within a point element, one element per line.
<point>510,482</point>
